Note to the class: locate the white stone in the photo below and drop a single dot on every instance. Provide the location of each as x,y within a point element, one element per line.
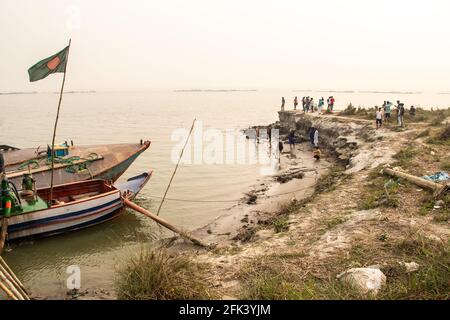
<point>410,266</point>
<point>366,280</point>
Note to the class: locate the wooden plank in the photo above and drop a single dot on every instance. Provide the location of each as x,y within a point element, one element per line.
<point>3,233</point>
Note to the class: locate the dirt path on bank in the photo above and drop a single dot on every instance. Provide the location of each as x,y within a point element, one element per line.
<point>331,223</point>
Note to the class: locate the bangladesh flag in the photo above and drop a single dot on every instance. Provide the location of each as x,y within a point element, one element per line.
<point>53,64</point>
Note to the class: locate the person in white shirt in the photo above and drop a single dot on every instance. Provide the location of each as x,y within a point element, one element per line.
<point>316,138</point>
<point>379,118</point>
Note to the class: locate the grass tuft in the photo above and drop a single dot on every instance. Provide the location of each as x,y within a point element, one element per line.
<point>155,275</point>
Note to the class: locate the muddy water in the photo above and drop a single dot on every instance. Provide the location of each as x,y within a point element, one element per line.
<point>115,117</point>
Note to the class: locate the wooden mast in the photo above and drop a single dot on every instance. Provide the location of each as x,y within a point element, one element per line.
<point>56,124</point>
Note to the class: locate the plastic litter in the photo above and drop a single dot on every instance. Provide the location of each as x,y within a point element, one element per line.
<point>438,177</point>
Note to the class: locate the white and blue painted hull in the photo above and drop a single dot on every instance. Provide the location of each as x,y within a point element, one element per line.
<point>75,215</point>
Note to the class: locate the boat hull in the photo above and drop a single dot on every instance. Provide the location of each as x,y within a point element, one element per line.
<point>113,161</point>
<point>75,215</point>
<point>66,218</point>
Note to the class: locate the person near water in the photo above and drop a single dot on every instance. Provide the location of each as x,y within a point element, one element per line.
<point>320,105</point>
<point>304,104</point>
<point>317,154</point>
<point>379,118</point>
<point>291,139</point>
<point>282,103</point>
<point>331,103</point>
<point>295,103</point>
<point>311,104</point>
<point>257,134</point>
<point>387,111</point>
<point>280,149</point>
<point>316,138</point>
<point>412,111</point>
<point>328,103</point>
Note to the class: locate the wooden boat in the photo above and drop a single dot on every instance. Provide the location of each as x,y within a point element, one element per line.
<point>76,205</point>
<point>78,163</point>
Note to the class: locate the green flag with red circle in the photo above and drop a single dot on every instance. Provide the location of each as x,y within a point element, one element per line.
<point>53,64</point>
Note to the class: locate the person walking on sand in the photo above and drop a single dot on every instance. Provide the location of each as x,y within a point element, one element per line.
<point>295,103</point>
<point>282,103</point>
<point>379,118</point>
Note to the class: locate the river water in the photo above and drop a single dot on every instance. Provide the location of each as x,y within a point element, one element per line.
<point>120,117</point>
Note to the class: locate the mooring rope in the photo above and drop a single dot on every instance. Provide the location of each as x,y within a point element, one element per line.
<point>234,200</point>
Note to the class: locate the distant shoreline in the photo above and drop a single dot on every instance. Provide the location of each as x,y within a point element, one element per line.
<point>215,90</point>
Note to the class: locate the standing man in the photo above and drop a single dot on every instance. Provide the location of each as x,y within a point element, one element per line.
<point>295,103</point>
<point>332,103</point>
<point>282,103</point>
<point>387,111</point>
<point>291,139</point>
<point>402,113</point>
<point>320,105</point>
<point>379,118</point>
<point>304,104</point>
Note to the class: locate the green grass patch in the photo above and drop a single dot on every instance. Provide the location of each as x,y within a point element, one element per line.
<point>382,192</point>
<point>333,223</point>
<point>442,137</point>
<point>155,275</point>
<point>405,156</point>
<point>327,182</point>
<point>281,224</point>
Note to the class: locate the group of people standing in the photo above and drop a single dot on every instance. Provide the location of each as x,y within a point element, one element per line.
<point>384,113</point>
<point>309,106</point>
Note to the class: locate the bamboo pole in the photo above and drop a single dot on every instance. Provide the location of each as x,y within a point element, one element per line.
<point>176,167</point>
<point>8,269</point>
<point>163,222</point>
<point>56,124</point>
<point>12,278</point>
<point>11,286</point>
<point>435,187</point>
<point>8,292</point>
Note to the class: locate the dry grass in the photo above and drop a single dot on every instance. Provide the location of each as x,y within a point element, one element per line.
<point>155,275</point>
<point>286,276</point>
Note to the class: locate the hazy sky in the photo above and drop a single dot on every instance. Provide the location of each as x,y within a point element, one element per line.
<point>320,44</point>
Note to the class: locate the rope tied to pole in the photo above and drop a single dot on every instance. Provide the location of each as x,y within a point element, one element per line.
<point>176,167</point>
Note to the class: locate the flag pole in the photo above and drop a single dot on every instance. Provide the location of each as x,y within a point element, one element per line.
<point>56,124</point>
